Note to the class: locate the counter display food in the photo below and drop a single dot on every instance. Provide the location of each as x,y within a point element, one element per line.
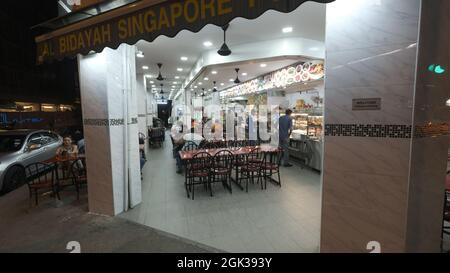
<point>306,139</point>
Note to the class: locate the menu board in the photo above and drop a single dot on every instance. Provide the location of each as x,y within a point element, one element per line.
<point>298,73</point>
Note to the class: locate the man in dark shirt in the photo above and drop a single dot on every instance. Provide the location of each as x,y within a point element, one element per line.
<point>285,130</point>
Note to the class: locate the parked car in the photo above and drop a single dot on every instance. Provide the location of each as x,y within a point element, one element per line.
<point>18,149</point>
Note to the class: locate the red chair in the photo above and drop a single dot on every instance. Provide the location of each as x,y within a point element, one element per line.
<point>222,167</point>
<point>79,174</point>
<point>252,168</point>
<point>198,172</point>
<point>271,167</point>
<point>41,177</point>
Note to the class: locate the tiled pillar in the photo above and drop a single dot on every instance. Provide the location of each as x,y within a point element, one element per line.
<point>142,103</point>
<point>375,179</point>
<point>108,92</point>
<point>432,129</point>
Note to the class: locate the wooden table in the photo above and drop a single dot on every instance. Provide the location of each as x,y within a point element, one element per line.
<point>188,155</point>
<point>62,159</point>
<point>240,151</point>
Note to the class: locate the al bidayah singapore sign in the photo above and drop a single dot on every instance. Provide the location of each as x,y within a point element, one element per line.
<point>166,18</point>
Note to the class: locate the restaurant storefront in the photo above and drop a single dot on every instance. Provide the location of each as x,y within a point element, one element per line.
<point>354,96</point>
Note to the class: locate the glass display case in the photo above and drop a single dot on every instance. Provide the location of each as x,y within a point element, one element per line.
<point>307,125</point>
<point>306,138</point>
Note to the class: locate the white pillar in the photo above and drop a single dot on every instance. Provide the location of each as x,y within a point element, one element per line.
<point>142,103</point>
<point>384,168</point>
<point>109,102</point>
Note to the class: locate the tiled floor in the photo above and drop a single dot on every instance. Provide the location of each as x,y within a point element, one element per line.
<point>285,219</point>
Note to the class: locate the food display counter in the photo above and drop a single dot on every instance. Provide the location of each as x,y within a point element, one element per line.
<point>306,139</point>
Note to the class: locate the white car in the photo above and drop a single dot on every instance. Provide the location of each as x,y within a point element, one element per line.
<point>20,148</point>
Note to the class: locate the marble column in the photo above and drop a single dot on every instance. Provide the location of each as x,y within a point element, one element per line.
<point>432,129</point>
<point>142,103</point>
<point>381,180</point>
<point>109,102</point>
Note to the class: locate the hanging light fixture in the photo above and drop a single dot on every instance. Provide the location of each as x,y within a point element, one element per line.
<point>203,93</point>
<point>215,88</point>
<point>237,81</point>
<point>224,50</point>
<point>160,77</point>
<point>162,91</point>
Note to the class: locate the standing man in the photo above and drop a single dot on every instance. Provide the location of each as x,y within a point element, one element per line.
<point>285,130</point>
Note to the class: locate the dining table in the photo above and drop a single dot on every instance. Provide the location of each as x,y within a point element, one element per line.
<point>236,152</point>
<point>56,160</point>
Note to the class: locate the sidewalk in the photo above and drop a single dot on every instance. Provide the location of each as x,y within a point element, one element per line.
<point>50,226</point>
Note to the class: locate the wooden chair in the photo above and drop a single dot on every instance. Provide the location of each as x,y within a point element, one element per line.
<point>222,167</point>
<point>40,177</point>
<point>190,146</point>
<point>252,168</point>
<point>79,174</point>
<point>208,145</point>
<point>271,166</point>
<point>198,172</point>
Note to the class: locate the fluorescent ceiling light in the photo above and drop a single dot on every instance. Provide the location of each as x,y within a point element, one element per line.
<point>206,79</point>
<point>177,77</point>
<point>148,76</point>
<point>222,84</point>
<point>200,83</point>
<point>174,82</point>
<point>145,67</point>
<point>179,69</point>
<point>244,74</point>
<point>287,30</point>
<point>152,82</point>
<point>263,65</point>
<point>231,80</point>
<point>207,44</point>
<point>184,59</point>
<point>140,54</point>
<point>214,72</point>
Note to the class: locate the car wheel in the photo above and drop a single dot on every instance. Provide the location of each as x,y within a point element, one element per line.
<point>14,178</point>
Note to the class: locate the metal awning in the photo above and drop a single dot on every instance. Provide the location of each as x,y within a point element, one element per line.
<point>83,14</point>
<point>112,23</point>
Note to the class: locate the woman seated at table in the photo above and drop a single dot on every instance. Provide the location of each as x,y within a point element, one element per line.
<point>67,149</point>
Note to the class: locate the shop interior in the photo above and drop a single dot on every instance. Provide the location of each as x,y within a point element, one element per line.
<point>277,59</point>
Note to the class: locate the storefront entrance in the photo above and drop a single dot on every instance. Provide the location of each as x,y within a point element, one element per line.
<point>353,72</point>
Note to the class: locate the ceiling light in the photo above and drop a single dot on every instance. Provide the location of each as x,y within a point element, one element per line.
<point>179,69</point>
<point>206,79</point>
<point>140,54</point>
<point>214,72</point>
<point>207,44</point>
<point>152,82</point>
<point>244,74</point>
<point>200,83</point>
<point>147,75</point>
<point>145,67</point>
<point>184,59</point>
<point>195,87</point>
<point>287,30</point>
<point>174,82</point>
<point>177,77</point>
<point>263,65</point>
<point>231,80</point>
<point>222,84</point>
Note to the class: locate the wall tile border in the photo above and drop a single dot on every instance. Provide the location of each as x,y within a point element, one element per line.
<point>388,131</point>
<point>369,130</point>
